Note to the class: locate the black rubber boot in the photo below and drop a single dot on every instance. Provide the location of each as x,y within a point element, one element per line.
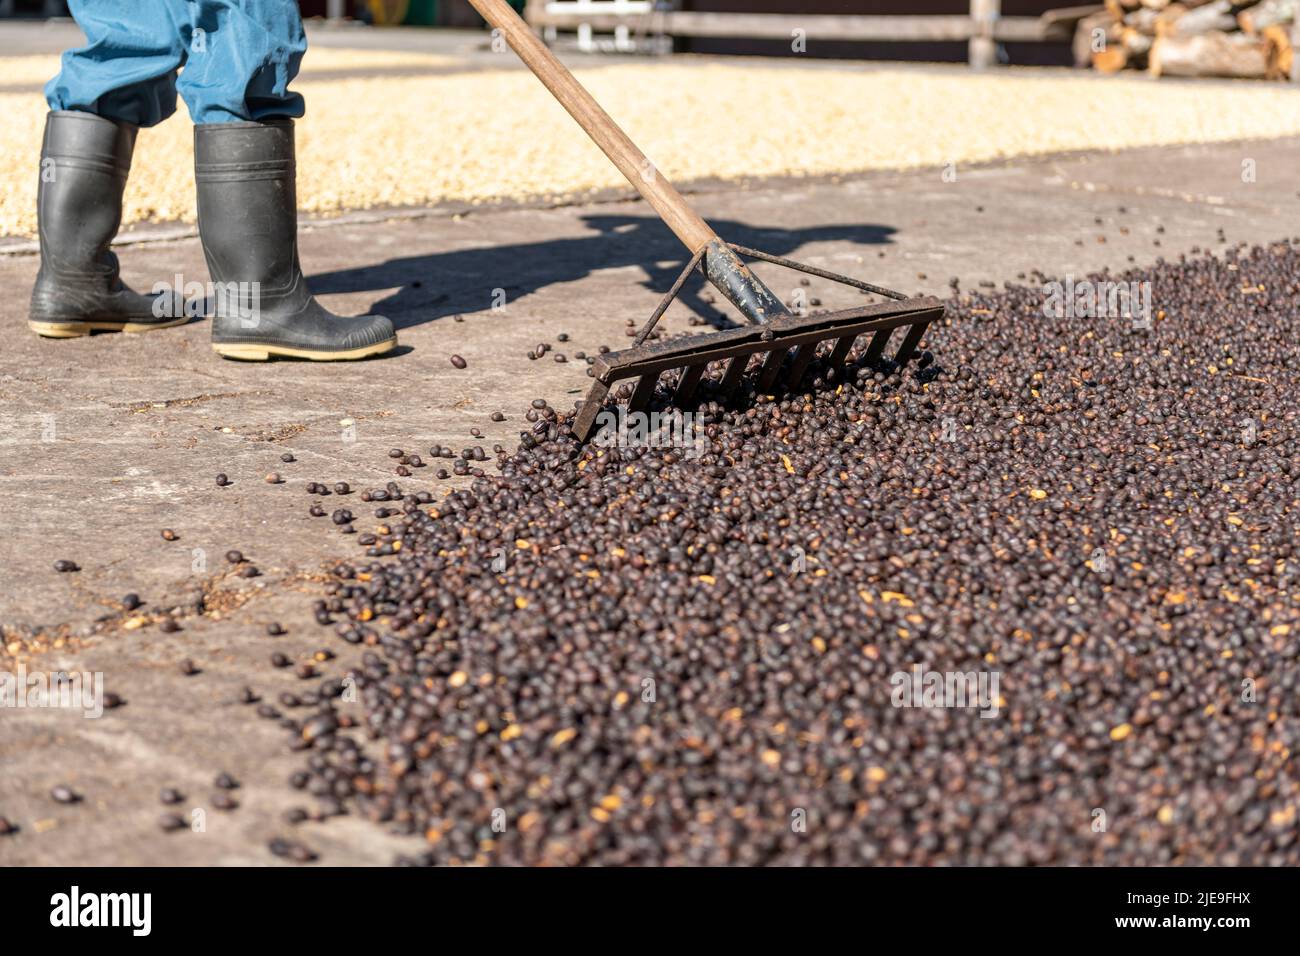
<point>84,163</point>
<point>248,221</point>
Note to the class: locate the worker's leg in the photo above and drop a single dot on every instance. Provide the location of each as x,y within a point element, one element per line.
<point>127,69</point>
<point>245,178</point>
<point>123,78</point>
<point>243,55</point>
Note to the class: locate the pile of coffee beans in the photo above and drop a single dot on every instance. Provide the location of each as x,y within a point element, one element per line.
<point>706,653</point>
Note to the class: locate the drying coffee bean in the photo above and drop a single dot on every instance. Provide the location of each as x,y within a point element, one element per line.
<point>288,849</point>
<point>64,565</point>
<point>273,478</point>
<point>225,781</point>
<point>287,457</point>
<point>223,801</point>
<point>1071,505</point>
<point>131,601</point>
<point>280,660</point>
<point>64,794</point>
<point>171,822</point>
<point>189,668</point>
<point>342,488</point>
<point>169,625</point>
<point>459,362</point>
<point>169,535</point>
<point>274,629</point>
<point>235,557</point>
<point>170,795</point>
<point>222,481</point>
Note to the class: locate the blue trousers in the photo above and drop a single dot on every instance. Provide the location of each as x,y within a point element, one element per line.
<point>239,57</point>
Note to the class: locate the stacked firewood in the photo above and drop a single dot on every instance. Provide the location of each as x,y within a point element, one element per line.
<point>1245,39</point>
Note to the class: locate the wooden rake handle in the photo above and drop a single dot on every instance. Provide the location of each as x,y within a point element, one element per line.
<point>693,231</point>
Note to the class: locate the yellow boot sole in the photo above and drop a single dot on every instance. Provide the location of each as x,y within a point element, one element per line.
<point>261,353</point>
<point>72,330</point>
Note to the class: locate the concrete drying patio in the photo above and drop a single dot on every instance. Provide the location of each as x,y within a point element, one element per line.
<point>104,441</point>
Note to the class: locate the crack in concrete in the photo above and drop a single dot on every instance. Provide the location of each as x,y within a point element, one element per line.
<point>136,407</point>
<point>207,600</point>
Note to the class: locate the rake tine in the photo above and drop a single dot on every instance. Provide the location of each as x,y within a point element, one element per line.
<point>687,384</point>
<point>770,370</point>
<point>586,417</point>
<point>840,352</point>
<point>802,358</point>
<point>732,376</point>
<point>877,346</point>
<point>908,348</point>
<point>645,390</point>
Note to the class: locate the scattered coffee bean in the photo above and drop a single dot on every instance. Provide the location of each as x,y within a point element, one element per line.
<point>1071,505</point>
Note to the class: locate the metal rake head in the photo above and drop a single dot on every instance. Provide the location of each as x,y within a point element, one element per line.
<point>786,345</point>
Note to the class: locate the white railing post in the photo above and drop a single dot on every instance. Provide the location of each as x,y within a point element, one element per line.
<point>982,48</point>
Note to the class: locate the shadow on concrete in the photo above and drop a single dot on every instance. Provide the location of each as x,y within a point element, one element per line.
<point>433,287</point>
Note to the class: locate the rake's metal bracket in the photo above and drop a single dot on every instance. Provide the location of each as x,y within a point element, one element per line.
<point>776,331</point>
